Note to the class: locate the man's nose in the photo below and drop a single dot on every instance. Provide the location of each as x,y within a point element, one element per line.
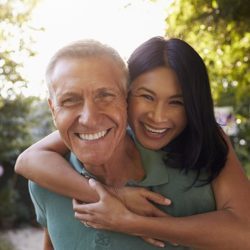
<point>89,114</point>
<point>158,113</point>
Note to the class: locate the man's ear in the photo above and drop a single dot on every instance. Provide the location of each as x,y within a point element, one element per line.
<point>52,110</point>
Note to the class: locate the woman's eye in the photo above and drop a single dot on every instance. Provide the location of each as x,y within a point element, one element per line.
<point>147,97</point>
<point>177,102</point>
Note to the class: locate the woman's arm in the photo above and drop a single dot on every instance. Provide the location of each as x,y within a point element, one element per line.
<point>47,244</point>
<point>43,163</point>
<point>226,228</point>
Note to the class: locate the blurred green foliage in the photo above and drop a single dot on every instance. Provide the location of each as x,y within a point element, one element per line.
<point>21,122</point>
<point>12,209</point>
<point>14,127</point>
<point>220,31</point>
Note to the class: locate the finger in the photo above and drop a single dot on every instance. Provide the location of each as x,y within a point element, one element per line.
<point>83,217</point>
<point>88,208</point>
<point>157,212</point>
<point>97,186</point>
<point>79,206</point>
<point>86,224</point>
<point>157,198</point>
<point>174,244</point>
<point>76,203</point>
<point>154,242</point>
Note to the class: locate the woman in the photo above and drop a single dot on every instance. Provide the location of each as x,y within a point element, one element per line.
<point>170,109</point>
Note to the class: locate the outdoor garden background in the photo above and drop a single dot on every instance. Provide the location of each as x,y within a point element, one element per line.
<point>218,29</point>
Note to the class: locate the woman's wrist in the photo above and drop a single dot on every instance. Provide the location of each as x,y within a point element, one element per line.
<point>117,192</point>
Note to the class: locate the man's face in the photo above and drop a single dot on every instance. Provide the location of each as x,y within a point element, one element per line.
<point>89,107</point>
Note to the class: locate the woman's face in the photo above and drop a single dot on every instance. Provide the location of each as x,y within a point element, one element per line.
<point>155,108</point>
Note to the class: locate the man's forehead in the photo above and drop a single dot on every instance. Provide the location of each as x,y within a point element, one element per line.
<point>78,87</point>
<point>88,59</point>
<point>63,90</point>
<point>98,78</point>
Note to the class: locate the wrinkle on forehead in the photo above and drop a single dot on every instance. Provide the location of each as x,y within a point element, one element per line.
<point>67,75</point>
<point>65,68</point>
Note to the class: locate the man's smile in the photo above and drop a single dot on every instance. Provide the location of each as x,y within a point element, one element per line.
<point>93,136</point>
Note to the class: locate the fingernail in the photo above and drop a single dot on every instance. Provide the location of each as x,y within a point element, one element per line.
<point>161,244</point>
<point>167,201</point>
<point>91,181</point>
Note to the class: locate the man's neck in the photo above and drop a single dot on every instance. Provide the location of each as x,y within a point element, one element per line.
<point>124,165</point>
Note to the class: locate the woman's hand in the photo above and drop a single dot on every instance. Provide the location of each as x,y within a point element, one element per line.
<point>108,213</point>
<point>104,214</point>
<point>139,200</point>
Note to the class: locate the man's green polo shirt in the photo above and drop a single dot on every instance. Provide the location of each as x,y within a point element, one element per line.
<point>55,211</point>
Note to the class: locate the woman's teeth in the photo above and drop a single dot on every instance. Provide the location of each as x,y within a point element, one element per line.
<point>153,130</point>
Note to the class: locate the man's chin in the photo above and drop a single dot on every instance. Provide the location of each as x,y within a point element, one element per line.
<point>93,160</point>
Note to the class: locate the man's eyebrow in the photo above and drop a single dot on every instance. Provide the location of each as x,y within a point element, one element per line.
<point>62,95</point>
<point>102,89</point>
<point>106,88</point>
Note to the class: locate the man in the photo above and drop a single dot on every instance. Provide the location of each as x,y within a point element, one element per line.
<point>87,84</point>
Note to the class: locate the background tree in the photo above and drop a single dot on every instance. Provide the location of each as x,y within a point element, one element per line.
<point>17,117</point>
<point>219,30</point>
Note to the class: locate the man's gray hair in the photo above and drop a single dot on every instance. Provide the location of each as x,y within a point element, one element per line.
<point>87,48</point>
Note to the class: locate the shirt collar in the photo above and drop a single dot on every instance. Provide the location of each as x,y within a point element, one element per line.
<point>155,169</point>
<point>78,166</point>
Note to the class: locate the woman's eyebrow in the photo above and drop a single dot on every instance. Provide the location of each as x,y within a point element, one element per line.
<point>147,90</point>
<point>177,96</point>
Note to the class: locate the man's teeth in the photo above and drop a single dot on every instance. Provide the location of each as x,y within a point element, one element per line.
<point>153,130</point>
<point>91,137</point>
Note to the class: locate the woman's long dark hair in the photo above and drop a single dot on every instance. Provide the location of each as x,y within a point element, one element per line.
<point>201,145</point>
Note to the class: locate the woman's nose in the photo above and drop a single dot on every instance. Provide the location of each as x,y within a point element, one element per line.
<point>158,113</point>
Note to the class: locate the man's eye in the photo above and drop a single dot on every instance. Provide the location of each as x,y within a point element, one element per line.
<point>106,96</point>
<point>70,102</point>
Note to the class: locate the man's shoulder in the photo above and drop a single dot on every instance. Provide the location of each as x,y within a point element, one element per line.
<point>46,199</point>
<point>34,187</point>
<point>41,194</point>
<point>38,191</point>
